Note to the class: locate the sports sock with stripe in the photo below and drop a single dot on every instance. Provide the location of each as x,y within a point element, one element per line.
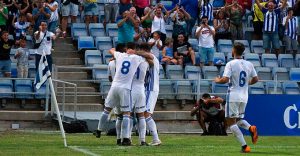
<point>142,129</point>
<point>103,120</point>
<point>238,134</point>
<point>152,127</point>
<point>243,124</point>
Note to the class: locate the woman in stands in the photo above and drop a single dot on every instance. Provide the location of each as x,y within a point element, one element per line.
<point>221,26</point>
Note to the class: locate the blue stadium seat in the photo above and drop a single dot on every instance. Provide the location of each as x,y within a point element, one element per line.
<point>104,88</point>
<point>269,60</point>
<point>166,90</point>
<point>106,56</point>
<point>103,43</point>
<point>257,88</point>
<point>31,70</point>
<point>253,58</point>
<point>219,88</point>
<point>78,29</point>
<point>286,60</point>
<point>184,90</point>
<point>100,73</point>
<point>290,88</point>
<point>161,72</point>
<point>169,30</point>
<point>205,86</point>
<point>192,72</point>
<point>246,44</point>
<point>92,57</point>
<point>295,74</point>
<point>197,57</point>
<point>96,29</point>
<point>270,85</point>
<point>250,21</point>
<point>24,89</point>
<point>41,93</point>
<point>281,73</point>
<point>6,88</point>
<point>219,59</point>
<point>86,42</point>
<point>29,41</point>
<point>257,46</point>
<point>112,30</point>
<point>194,43</point>
<point>264,73</point>
<point>222,68</point>
<point>115,41</point>
<point>13,69</point>
<point>229,57</point>
<point>248,35</point>
<point>297,60</point>
<point>210,72</point>
<point>224,46</point>
<point>174,72</point>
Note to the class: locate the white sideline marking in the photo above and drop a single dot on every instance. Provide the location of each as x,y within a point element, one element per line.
<point>85,151</point>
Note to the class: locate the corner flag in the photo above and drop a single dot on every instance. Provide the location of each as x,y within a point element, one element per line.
<point>43,72</point>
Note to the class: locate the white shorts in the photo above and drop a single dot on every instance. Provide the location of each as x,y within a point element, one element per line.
<point>119,98</point>
<point>151,98</point>
<point>138,101</point>
<point>235,109</point>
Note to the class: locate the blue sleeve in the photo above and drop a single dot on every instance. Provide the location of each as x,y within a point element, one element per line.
<point>184,2</point>
<point>34,11</point>
<point>277,10</point>
<point>264,10</point>
<point>47,10</point>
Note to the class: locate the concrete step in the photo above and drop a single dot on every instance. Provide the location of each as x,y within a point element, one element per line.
<point>81,99</point>
<point>67,61</point>
<point>178,127</point>
<point>80,83</point>
<point>66,54</point>
<point>72,76</point>
<point>62,41</point>
<point>87,107</point>
<point>79,89</point>
<point>6,115</point>
<point>173,115</point>
<point>29,125</point>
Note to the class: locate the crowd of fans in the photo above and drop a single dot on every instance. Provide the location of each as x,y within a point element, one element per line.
<point>146,20</point>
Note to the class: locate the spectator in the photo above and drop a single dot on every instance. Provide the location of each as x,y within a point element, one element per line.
<point>297,13</point>
<point>125,5</point>
<point>207,10</point>
<point>221,26</point>
<point>21,27</point>
<point>69,8</point>
<point>147,22</point>
<point>156,44</point>
<point>5,47</point>
<point>25,7</point>
<point>180,19</point>
<point>159,21</point>
<point>283,13</point>
<point>41,13</point>
<point>53,6</point>
<point>205,34</point>
<point>209,109</point>
<point>139,35</point>
<point>270,28</point>
<point>3,16</point>
<point>91,12</point>
<point>22,55</point>
<point>167,53</point>
<point>45,38</point>
<point>290,34</point>
<point>191,7</point>
<point>12,12</point>
<point>183,51</point>
<point>236,13</point>
<point>140,5</point>
<point>258,21</point>
<point>246,4</point>
<point>132,11</point>
<point>126,28</point>
<point>111,8</point>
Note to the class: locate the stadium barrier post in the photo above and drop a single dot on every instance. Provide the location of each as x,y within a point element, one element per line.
<point>47,100</point>
<point>198,85</point>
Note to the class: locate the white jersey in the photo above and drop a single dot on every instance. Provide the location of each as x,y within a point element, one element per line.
<point>126,65</point>
<point>111,71</point>
<point>138,83</point>
<point>153,76</point>
<point>239,72</point>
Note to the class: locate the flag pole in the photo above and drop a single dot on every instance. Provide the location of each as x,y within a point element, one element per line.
<point>57,112</point>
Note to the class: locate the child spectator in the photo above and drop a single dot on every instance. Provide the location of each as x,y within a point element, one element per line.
<point>155,43</point>
<point>167,53</point>
<point>21,27</point>
<point>22,56</point>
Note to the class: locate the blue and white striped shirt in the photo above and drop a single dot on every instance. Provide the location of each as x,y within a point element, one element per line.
<point>207,10</point>
<point>291,29</point>
<point>271,20</point>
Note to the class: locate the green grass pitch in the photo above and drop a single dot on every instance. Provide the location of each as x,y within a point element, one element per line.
<point>40,144</point>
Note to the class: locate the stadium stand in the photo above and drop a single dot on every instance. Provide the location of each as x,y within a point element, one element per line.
<point>253,58</point>
<point>174,72</point>
<point>269,60</point>
<point>264,73</point>
<point>280,73</point>
<point>92,57</point>
<point>184,90</point>
<point>86,42</point>
<point>96,30</point>
<point>103,43</point>
<point>257,88</point>
<point>257,46</point>
<point>6,88</point>
<point>210,72</point>
<point>295,74</point>
<point>273,88</point>
<point>24,89</point>
<point>286,60</point>
<point>290,88</point>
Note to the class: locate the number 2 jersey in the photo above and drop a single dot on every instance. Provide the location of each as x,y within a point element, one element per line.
<point>126,66</point>
<point>239,72</point>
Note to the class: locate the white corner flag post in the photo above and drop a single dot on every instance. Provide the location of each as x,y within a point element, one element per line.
<point>44,74</point>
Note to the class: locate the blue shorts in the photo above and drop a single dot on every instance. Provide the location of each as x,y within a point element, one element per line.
<point>206,54</point>
<point>5,66</point>
<point>91,9</point>
<point>69,10</point>
<point>271,37</point>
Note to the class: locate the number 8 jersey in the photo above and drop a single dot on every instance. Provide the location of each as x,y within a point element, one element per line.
<point>239,72</point>
<point>126,66</point>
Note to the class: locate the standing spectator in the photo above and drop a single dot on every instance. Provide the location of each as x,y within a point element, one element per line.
<point>205,34</point>
<point>258,21</point>
<point>21,27</point>
<point>91,12</point>
<point>147,22</point>
<point>221,26</point>
<point>124,6</point>
<point>140,5</point>
<point>183,51</point>
<point>159,21</point>
<point>25,7</point>
<point>246,4</point>
<point>290,34</point>
<point>181,19</point>
<point>110,8</point>
<point>167,53</point>
<point>297,13</point>
<point>5,47</point>
<point>53,6</point>
<point>270,28</point>
<point>126,28</point>
<point>283,13</point>
<point>12,12</point>
<point>191,7</point>
<point>69,8</point>
<point>156,44</point>
<point>207,10</point>
<point>22,55</point>
<point>139,35</point>
<point>41,13</point>
<point>45,38</point>
<point>236,13</point>
<point>132,11</point>
<point>3,16</point>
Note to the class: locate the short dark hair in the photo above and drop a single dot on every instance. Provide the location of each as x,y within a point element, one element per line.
<point>204,17</point>
<point>120,47</point>
<point>131,45</point>
<point>205,96</point>
<point>239,48</point>
<point>3,32</point>
<point>157,32</point>
<point>290,9</point>
<point>144,46</point>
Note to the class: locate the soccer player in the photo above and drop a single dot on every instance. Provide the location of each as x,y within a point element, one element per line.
<point>239,73</point>
<point>152,89</point>
<point>120,93</point>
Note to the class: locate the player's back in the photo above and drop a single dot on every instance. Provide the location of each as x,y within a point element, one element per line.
<point>239,72</point>
<point>153,76</point>
<point>112,68</point>
<point>138,83</point>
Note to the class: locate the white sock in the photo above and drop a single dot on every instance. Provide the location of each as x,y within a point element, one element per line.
<point>243,124</point>
<point>131,124</point>
<point>125,127</point>
<point>118,127</point>
<point>142,129</point>
<point>103,120</point>
<point>238,134</point>
<point>152,127</point>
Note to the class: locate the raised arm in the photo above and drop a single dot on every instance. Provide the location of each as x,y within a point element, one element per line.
<point>258,4</point>
<point>186,14</point>
<point>145,55</point>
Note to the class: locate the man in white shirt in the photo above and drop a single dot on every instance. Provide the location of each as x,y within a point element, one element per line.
<point>239,73</point>
<point>205,34</point>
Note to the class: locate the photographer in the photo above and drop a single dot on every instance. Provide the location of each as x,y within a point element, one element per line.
<point>209,109</point>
